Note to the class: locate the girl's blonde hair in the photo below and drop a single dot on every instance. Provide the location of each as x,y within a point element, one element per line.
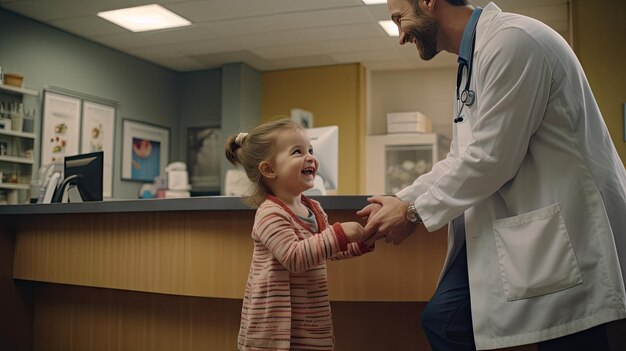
<point>248,150</point>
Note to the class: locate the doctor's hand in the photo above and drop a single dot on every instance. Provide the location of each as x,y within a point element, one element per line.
<point>369,211</point>
<point>389,221</point>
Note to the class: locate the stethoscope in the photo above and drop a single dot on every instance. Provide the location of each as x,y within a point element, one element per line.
<point>467,96</point>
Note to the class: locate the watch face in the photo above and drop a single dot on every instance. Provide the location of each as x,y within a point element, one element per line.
<point>411,214</point>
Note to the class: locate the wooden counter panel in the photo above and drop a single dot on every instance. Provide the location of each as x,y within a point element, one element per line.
<point>218,253</point>
<point>184,253</point>
<point>204,253</point>
<point>16,301</point>
<point>407,272</point>
<point>89,319</point>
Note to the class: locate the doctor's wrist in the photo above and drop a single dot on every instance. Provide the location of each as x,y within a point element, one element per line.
<point>412,215</point>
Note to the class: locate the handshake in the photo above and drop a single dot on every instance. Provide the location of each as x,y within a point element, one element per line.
<point>386,218</point>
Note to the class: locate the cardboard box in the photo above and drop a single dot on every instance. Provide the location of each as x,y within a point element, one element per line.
<point>408,122</point>
<point>13,79</point>
<point>410,127</point>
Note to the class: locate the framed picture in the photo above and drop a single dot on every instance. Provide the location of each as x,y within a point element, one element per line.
<point>61,129</point>
<point>98,134</point>
<point>305,118</point>
<point>203,158</point>
<point>145,150</point>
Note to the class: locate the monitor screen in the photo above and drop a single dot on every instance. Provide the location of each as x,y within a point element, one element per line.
<point>85,173</point>
<point>325,142</point>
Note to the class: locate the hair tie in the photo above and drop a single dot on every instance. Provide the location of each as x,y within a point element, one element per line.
<point>240,137</point>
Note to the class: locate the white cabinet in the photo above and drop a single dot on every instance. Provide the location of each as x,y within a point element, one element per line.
<point>394,161</point>
<point>16,152</point>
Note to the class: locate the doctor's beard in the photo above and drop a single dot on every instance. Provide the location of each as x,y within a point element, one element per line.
<point>424,30</point>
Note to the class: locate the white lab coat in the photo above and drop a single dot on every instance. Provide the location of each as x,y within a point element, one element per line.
<point>534,185</point>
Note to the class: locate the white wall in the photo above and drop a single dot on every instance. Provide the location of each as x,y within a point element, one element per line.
<point>430,91</point>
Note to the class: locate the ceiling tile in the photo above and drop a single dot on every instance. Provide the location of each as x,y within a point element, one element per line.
<point>347,32</point>
<point>327,47</point>
<point>218,59</point>
<point>305,61</point>
<point>200,47</point>
<point>202,11</point>
<point>88,26</point>
<point>290,21</point>
<point>266,34</point>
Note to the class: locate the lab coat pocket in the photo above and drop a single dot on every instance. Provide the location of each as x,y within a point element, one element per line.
<point>535,254</point>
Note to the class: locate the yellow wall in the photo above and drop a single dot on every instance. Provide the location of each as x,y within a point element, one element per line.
<point>600,44</point>
<point>335,95</point>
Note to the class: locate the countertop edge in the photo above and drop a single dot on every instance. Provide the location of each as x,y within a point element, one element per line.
<point>202,203</point>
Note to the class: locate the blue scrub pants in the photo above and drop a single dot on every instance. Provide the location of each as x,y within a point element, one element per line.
<point>447,318</point>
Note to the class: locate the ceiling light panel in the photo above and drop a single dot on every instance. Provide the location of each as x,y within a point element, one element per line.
<point>390,28</point>
<point>144,18</point>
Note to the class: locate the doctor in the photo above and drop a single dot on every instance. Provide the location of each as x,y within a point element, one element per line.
<point>533,191</point>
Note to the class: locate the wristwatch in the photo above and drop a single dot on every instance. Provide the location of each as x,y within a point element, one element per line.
<point>412,215</point>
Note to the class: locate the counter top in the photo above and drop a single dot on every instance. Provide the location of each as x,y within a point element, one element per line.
<point>202,203</point>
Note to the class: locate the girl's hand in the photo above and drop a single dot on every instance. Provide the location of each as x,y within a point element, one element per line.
<point>354,231</point>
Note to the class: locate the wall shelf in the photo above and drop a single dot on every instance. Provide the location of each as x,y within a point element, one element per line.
<point>19,91</point>
<point>14,186</point>
<point>14,159</point>
<point>17,134</point>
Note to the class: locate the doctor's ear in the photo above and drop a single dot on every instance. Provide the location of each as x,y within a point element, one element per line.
<point>428,4</point>
<point>267,170</point>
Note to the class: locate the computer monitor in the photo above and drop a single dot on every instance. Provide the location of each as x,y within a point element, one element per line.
<point>325,142</point>
<point>82,178</point>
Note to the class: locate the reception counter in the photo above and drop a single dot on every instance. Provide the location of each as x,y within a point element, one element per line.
<point>174,271</point>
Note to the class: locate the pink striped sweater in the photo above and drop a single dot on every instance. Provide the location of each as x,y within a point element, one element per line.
<point>286,304</point>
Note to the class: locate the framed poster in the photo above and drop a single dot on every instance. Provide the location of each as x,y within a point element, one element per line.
<point>203,158</point>
<point>97,134</point>
<point>145,150</point>
<point>61,127</point>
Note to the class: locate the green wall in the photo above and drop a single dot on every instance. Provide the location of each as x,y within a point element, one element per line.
<point>46,56</point>
<point>241,104</point>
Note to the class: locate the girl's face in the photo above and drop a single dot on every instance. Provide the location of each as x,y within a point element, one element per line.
<point>294,164</point>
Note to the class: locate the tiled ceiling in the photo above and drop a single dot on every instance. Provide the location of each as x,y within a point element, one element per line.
<point>265,34</point>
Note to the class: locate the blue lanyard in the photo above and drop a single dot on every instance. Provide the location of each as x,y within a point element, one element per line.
<point>469,34</point>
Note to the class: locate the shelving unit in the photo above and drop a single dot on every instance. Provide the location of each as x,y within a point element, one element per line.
<point>394,161</point>
<point>19,91</point>
<point>13,159</point>
<point>14,186</point>
<point>16,153</point>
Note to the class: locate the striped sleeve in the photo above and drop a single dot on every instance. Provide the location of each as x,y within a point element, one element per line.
<point>351,249</point>
<point>354,250</point>
<point>275,230</point>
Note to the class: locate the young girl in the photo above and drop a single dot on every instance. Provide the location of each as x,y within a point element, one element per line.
<point>286,304</point>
